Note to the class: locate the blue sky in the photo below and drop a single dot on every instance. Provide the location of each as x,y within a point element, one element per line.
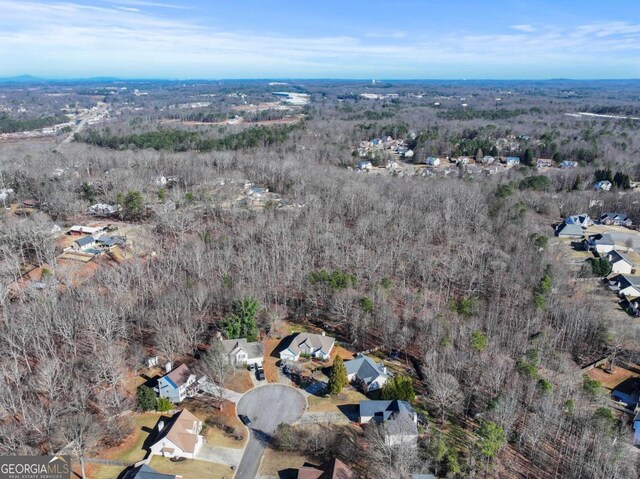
<point>434,39</point>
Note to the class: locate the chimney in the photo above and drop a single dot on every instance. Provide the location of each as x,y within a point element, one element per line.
<point>160,426</point>
<point>167,366</point>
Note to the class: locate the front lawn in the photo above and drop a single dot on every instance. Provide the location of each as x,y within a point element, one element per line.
<point>131,450</point>
<point>191,469</point>
<point>348,396</point>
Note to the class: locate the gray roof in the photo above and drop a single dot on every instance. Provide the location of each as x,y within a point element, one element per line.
<point>146,472</point>
<point>253,350</point>
<point>569,230</point>
<point>383,410</point>
<point>302,342</point>
<point>614,216</point>
<point>85,240</point>
<point>577,219</point>
<point>365,369</point>
<point>111,240</point>
<point>618,256</point>
<point>401,424</point>
<point>604,239</point>
<point>628,280</point>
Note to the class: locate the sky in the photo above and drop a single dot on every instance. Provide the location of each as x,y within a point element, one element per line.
<point>359,39</point>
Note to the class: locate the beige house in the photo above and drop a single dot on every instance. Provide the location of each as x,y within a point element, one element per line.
<point>180,437</point>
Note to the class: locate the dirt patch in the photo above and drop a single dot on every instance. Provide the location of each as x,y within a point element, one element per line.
<point>240,382</point>
<point>611,380</point>
<point>271,359</point>
<point>343,352</point>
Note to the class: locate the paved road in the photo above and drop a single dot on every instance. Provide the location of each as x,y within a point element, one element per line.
<point>220,455</point>
<point>266,407</point>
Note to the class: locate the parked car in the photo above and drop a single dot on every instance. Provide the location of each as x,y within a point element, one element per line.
<point>260,373</point>
<point>245,419</point>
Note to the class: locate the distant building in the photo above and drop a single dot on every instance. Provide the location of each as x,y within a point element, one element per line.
<point>545,163</point>
<point>568,164</point>
<point>512,161</point>
<point>335,469</point>
<point>432,161</point>
<point>601,243</point>
<point>398,417</point>
<point>565,230</point>
<point>582,219</point>
<point>367,373</point>
<point>365,165</point>
<point>616,219</point>
<point>487,160</point>
<point>620,262</point>
<point>242,352</point>
<point>603,185</point>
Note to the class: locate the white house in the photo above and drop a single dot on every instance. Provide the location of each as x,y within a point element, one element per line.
<point>603,185</point>
<point>241,352</point>
<point>314,345</point>
<point>616,219</point>
<point>488,159</point>
<point>365,165</point>
<point>364,371</point>
<point>583,220</point>
<point>620,262</point>
<point>568,164</point>
<point>177,384</point>
<point>628,286</point>
<point>601,243</point>
<point>84,243</point>
<point>512,160</point>
<point>180,437</point>
<point>432,161</point>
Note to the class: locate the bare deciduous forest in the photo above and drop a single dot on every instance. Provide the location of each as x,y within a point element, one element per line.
<point>458,272</point>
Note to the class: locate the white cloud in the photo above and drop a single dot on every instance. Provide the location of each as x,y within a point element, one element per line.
<point>524,28</point>
<point>71,39</point>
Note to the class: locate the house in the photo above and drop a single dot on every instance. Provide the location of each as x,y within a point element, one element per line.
<point>365,165</point>
<point>512,160</point>
<point>432,161</point>
<point>567,230</point>
<point>83,230</point>
<point>180,437</point>
<point>600,243</point>
<point>616,219</point>
<point>242,352</point>
<point>627,392</point>
<point>568,164</point>
<point>314,345</point>
<point>620,262</point>
<point>177,384</point>
<point>108,241</point>
<point>544,163</point>
<point>626,285</point>
<point>84,243</point>
<point>399,419</point>
<point>603,185</point>
<point>487,160</point>
<point>336,469</point>
<point>583,220</point>
<point>146,472</point>
<point>636,428</point>
<point>102,209</point>
<point>364,371</point>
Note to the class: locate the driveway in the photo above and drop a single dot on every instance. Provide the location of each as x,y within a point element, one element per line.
<point>220,455</point>
<point>266,407</point>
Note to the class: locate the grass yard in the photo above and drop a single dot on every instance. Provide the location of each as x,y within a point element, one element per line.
<point>275,463</point>
<point>131,450</point>
<point>226,415</point>
<point>348,396</point>
<point>102,471</point>
<point>240,382</point>
<point>191,469</point>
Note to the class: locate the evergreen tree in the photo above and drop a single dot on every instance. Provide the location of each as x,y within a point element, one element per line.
<point>399,387</point>
<point>528,157</point>
<point>338,378</point>
<point>146,398</point>
<point>242,321</point>
<point>479,155</point>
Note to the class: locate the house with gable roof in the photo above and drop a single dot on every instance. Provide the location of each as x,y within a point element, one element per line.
<point>177,384</point>
<point>180,437</point>
<point>367,373</point>
<point>241,352</point>
<point>309,344</point>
